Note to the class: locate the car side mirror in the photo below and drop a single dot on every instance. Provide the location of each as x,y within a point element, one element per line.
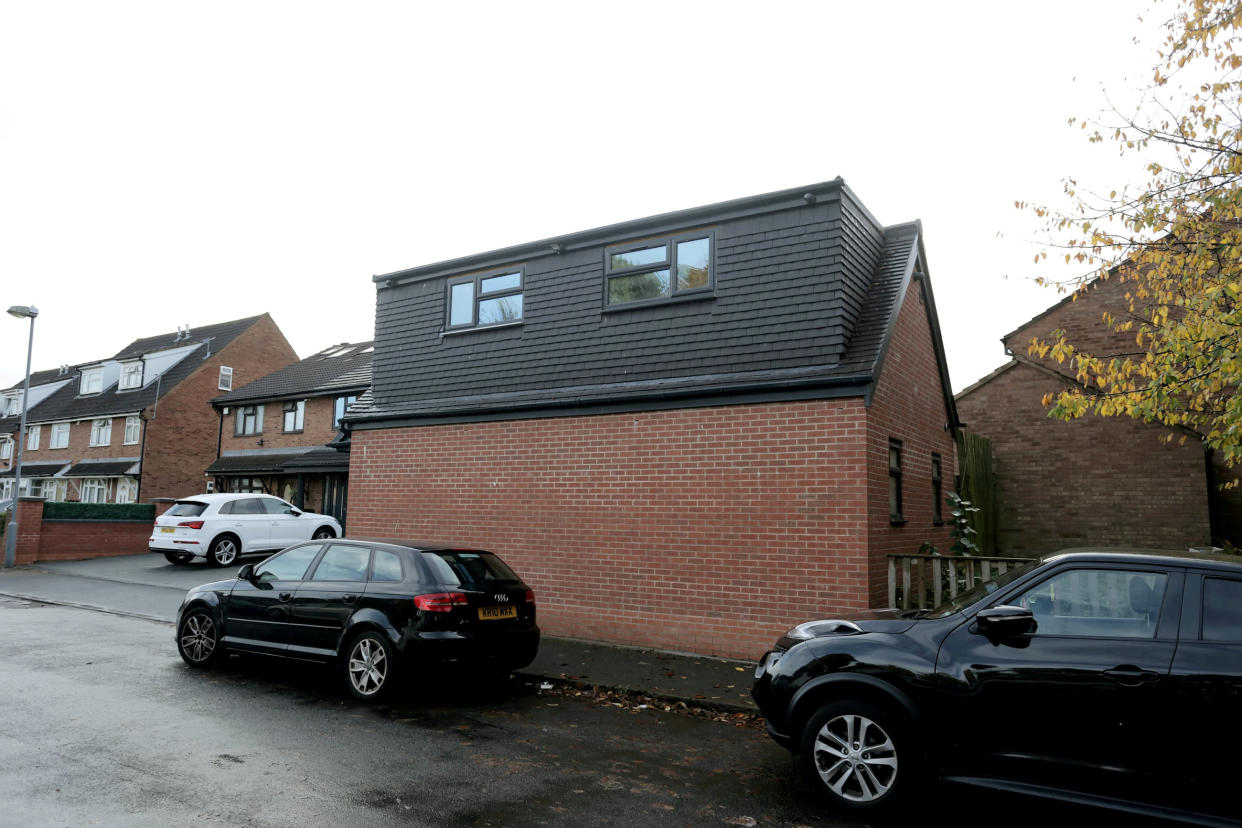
<point>293,512</point>
<point>1006,621</point>
<point>246,573</point>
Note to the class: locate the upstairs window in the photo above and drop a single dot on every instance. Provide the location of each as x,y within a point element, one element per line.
<point>6,448</point>
<point>131,376</point>
<point>133,429</point>
<point>101,432</point>
<point>295,414</point>
<point>649,271</point>
<point>11,407</point>
<point>92,381</point>
<point>485,300</point>
<point>339,406</point>
<point>60,436</point>
<point>33,433</point>
<point>895,516</point>
<point>249,420</point>
<point>225,383</point>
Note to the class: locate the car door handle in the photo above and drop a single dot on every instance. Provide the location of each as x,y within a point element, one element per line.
<point>1129,676</point>
<point>349,599</point>
<point>285,596</point>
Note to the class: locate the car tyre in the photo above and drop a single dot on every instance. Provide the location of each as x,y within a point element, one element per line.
<point>858,756</point>
<point>369,666</point>
<point>178,557</point>
<point>323,533</point>
<point>223,550</point>
<point>198,638</point>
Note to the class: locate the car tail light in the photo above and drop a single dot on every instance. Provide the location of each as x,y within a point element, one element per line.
<point>440,601</point>
<point>191,524</point>
<point>530,596</point>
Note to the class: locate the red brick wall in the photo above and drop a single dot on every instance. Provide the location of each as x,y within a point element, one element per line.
<point>181,440</point>
<point>29,530</point>
<point>707,530</point>
<point>316,427</point>
<point>1090,482</point>
<point>908,405</point>
<point>71,540</point>
<point>80,447</point>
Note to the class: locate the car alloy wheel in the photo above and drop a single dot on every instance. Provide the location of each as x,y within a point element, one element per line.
<point>223,551</point>
<point>197,640</point>
<point>854,753</point>
<point>368,666</point>
<point>324,533</point>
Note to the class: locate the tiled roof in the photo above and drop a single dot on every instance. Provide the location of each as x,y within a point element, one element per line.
<point>39,378</point>
<point>104,468</point>
<point>344,367</point>
<point>259,462</point>
<point>34,470</point>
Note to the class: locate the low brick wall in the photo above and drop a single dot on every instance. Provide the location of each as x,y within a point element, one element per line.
<point>69,540</point>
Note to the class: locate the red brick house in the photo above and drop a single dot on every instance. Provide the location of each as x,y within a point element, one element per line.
<point>1094,481</point>
<point>139,424</point>
<point>278,433</point>
<point>687,431</point>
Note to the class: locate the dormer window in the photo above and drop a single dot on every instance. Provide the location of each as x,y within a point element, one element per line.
<point>485,300</point>
<point>131,376</point>
<point>662,269</point>
<point>11,407</point>
<point>92,381</point>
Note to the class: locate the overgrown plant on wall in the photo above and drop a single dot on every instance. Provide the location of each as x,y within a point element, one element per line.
<point>1174,240</point>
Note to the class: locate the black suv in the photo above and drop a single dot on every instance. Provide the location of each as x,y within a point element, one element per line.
<point>1112,679</point>
<point>366,606</point>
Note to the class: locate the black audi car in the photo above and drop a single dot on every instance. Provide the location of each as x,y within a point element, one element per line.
<point>1098,677</point>
<point>368,606</point>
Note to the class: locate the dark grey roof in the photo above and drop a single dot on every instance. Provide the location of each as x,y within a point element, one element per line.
<point>263,462</point>
<point>35,470</point>
<point>39,378</point>
<point>340,368</point>
<point>807,287</point>
<point>319,460</point>
<point>102,468</point>
<point>65,404</point>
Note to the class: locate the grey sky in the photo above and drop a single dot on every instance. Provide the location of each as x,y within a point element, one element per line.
<point>171,163</point>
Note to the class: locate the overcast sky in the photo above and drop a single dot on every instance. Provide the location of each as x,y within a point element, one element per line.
<point>170,163</point>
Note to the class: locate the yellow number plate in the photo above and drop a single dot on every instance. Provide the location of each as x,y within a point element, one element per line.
<point>168,530</point>
<point>493,613</point>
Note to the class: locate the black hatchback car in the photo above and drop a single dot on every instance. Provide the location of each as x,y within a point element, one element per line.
<point>1103,678</point>
<point>367,606</point>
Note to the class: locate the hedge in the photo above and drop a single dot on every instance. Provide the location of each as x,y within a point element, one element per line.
<point>99,511</point>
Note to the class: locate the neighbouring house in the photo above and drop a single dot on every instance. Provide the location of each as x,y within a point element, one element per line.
<point>689,431</point>
<point>1095,481</point>
<point>138,425</point>
<point>278,433</point>
<point>43,384</point>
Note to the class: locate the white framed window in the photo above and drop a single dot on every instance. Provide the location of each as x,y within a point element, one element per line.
<point>92,381</point>
<point>126,490</point>
<point>225,382</point>
<point>6,448</point>
<point>51,488</point>
<point>101,432</point>
<point>11,406</point>
<point>133,429</point>
<point>131,376</point>
<point>60,436</point>
<point>249,420</point>
<point>32,437</point>
<point>94,490</point>
<point>295,415</point>
<point>6,488</point>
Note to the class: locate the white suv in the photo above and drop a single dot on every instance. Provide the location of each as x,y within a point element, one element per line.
<point>222,526</point>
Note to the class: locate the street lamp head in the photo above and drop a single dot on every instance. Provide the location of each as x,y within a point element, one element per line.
<point>24,311</point>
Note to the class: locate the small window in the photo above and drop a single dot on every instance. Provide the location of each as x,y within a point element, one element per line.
<point>650,271</point>
<point>101,432</point>
<point>386,566</point>
<point>6,448</point>
<point>485,300</point>
<point>343,563</point>
<point>11,406</point>
<point>225,383</point>
<point>249,420</point>
<point>1222,610</point>
<point>295,415</point>
<point>339,406</point>
<point>895,516</point>
<point>60,436</point>
<point>131,376</point>
<point>937,492</point>
<point>289,565</point>
<point>92,381</point>
<point>133,429</point>
<point>33,433</point>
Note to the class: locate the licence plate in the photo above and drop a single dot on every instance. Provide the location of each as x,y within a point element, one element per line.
<point>493,613</point>
<point>168,530</point>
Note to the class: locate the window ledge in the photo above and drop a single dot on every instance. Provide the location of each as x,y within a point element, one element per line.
<point>707,296</point>
<point>479,328</point>
<point>896,521</point>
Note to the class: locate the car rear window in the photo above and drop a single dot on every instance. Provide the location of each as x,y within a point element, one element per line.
<point>459,568</point>
<point>186,508</point>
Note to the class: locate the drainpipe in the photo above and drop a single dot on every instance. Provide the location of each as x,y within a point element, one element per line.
<point>142,454</point>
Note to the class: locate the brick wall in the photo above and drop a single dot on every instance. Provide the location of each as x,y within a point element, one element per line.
<point>71,540</point>
<point>1090,482</point>
<point>707,530</point>
<point>316,427</point>
<point>908,405</point>
<point>181,440</point>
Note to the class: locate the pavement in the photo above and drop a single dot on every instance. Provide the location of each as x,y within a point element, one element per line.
<point>146,586</point>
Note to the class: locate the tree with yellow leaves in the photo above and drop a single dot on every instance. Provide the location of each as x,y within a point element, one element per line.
<point>1175,242</point>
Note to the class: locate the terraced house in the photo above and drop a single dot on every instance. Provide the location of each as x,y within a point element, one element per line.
<point>139,424</point>
<point>687,431</point>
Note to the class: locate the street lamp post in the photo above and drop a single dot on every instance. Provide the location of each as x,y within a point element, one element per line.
<point>10,532</point>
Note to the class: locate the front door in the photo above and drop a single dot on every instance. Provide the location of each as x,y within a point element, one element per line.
<point>1073,704</point>
<point>258,614</point>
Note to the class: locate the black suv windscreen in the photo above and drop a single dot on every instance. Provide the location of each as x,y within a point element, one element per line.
<point>186,508</point>
<point>965,599</point>
<point>459,568</point>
